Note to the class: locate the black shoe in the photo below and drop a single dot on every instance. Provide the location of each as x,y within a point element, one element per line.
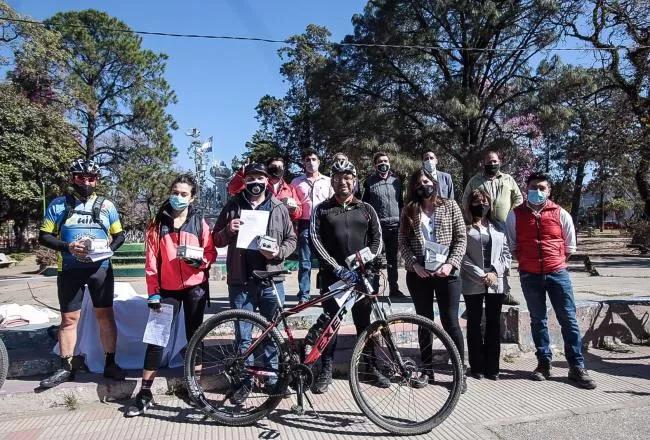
<point>475,375</point>
<point>581,377</point>
<point>510,300</point>
<point>302,301</point>
<point>543,370</point>
<point>114,371</point>
<point>143,401</point>
<point>78,363</point>
<point>60,376</point>
<point>323,380</point>
<point>492,376</point>
<point>376,377</point>
<point>241,394</point>
<point>396,293</point>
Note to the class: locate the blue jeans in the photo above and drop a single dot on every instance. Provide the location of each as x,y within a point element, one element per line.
<point>304,269</point>
<point>253,297</point>
<point>560,292</point>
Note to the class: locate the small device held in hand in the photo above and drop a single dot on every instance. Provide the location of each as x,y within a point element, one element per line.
<point>362,257</point>
<point>189,252</point>
<point>267,243</point>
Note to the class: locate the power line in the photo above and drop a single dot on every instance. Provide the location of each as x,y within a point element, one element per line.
<point>331,43</point>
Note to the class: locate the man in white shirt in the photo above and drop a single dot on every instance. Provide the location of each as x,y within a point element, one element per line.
<point>312,188</point>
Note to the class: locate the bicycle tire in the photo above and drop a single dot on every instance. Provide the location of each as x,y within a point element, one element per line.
<point>4,363</point>
<point>391,424</point>
<point>196,392</point>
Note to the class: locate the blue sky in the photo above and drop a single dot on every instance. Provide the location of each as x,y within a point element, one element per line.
<point>218,83</point>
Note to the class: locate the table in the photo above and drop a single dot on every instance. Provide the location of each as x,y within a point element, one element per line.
<point>131,314</point>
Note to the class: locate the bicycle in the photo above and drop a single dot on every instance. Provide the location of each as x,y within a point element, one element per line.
<point>4,363</point>
<point>268,364</point>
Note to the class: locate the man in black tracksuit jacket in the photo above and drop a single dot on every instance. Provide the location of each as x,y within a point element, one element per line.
<point>341,226</point>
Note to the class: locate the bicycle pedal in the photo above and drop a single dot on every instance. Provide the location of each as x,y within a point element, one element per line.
<point>298,410</point>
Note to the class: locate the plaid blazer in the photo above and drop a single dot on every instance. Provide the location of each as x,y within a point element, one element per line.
<point>450,231</point>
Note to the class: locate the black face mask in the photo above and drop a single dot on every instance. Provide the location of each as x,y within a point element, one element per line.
<point>383,167</point>
<point>479,210</point>
<point>425,191</point>
<point>276,171</point>
<point>255,188</point>
<point>492,169</point>
<point>83,190</point>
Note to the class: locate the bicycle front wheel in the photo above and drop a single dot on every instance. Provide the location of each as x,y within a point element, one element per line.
<point>406,374</point>
<point>234,389</point>
<point>4,363</point>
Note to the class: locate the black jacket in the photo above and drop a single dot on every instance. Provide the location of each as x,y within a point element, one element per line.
<point>338,232</point>
<point>385,195</point>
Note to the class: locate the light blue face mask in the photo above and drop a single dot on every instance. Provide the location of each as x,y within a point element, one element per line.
<point>178,203</point>
<point>536,196</point>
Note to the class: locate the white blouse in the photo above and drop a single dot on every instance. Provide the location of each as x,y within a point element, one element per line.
<point>428,226</point>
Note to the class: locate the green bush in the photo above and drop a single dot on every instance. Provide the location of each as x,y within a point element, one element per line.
<point>640,232</point>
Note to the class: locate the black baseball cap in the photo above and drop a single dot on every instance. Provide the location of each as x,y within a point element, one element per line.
<point>255,168</point>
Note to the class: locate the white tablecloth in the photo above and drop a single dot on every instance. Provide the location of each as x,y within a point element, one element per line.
<point>131,314</point>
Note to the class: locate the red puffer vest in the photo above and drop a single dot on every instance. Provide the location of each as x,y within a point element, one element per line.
<point>540,245</point>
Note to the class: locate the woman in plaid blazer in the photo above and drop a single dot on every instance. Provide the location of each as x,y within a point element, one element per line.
<point>427,217</point>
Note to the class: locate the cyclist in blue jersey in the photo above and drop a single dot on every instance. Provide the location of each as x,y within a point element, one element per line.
<point>75,225</point>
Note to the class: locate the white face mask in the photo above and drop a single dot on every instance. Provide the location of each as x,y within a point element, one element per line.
<point>430,165</point>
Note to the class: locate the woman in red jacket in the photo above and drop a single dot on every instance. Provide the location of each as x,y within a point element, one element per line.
<point>173,279</point>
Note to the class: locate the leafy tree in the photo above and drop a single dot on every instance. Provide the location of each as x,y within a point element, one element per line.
<point>115,86</point>
<point>36,148</point>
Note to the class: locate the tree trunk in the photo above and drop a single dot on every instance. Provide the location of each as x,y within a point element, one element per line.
<point>90,137</point>
<point>577,192</point>
<point>19,233</point>
<point>642,177</point>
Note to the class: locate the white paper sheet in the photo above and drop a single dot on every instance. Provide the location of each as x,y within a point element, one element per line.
<point>159,326</point>
<point>97,256</point>
<point>343,295</point>
<point>254,224</point>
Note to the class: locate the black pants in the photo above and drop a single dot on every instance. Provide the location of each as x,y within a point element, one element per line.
<point>447,293</point>
<point>484,350</point>
<point>193,300</point>
<point>360,315</point>
<point>389,234</point>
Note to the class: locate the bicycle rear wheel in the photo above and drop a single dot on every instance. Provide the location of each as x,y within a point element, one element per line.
<point>401,349</point>
<point>4,363</point>
<point>233,389</point>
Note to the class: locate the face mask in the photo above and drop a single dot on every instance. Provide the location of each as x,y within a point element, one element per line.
<point>178,203</point>
<point>425,191</point>
<point>255,188</point>
<point>479,210</point>
<point>430,165</point>
<point>276,171</point>
<point>383,167</point>
<point>83,190</point>
<point>492,169</point>
<point>536,196</point>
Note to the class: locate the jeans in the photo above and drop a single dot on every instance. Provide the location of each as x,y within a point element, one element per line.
<point>484,350</point>
<point>304,253</point>
<point>560,292</point>
<point>447,293</point>
<point>254,297</point>
<point>389,234</point>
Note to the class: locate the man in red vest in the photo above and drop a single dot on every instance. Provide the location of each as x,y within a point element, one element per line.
<point>542,237</point>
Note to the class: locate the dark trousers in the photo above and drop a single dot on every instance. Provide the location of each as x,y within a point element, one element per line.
<point>389,234</point>
<point>484,350</point>
<point>193,300</point>
<point>447,294</point>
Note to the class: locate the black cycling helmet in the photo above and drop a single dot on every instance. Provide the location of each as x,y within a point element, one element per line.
<point>344,166</point>
<point>84,166</point>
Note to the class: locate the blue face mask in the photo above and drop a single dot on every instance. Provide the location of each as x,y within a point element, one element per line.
<point>178,203</point>
<point>536,196</point>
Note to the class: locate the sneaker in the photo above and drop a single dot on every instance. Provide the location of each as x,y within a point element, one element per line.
<point>510,300</point>
<point>302,301</point>
<point>78,363</point>
<point>581,377</point>
<point>60,376</point>
<point>143,401</point>
<point>114,371</point>
<point>543,370</point>
<point>376,377</point>
<point>241,394</point>
<point>396,293</point>
<point>323,380</point>
<point>425,378</point>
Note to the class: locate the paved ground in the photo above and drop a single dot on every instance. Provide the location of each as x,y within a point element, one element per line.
<point>513,408</point>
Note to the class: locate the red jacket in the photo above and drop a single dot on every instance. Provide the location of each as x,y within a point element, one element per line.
<point>540,244</point>
<point>237,184</point>
<point>162,268</point>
